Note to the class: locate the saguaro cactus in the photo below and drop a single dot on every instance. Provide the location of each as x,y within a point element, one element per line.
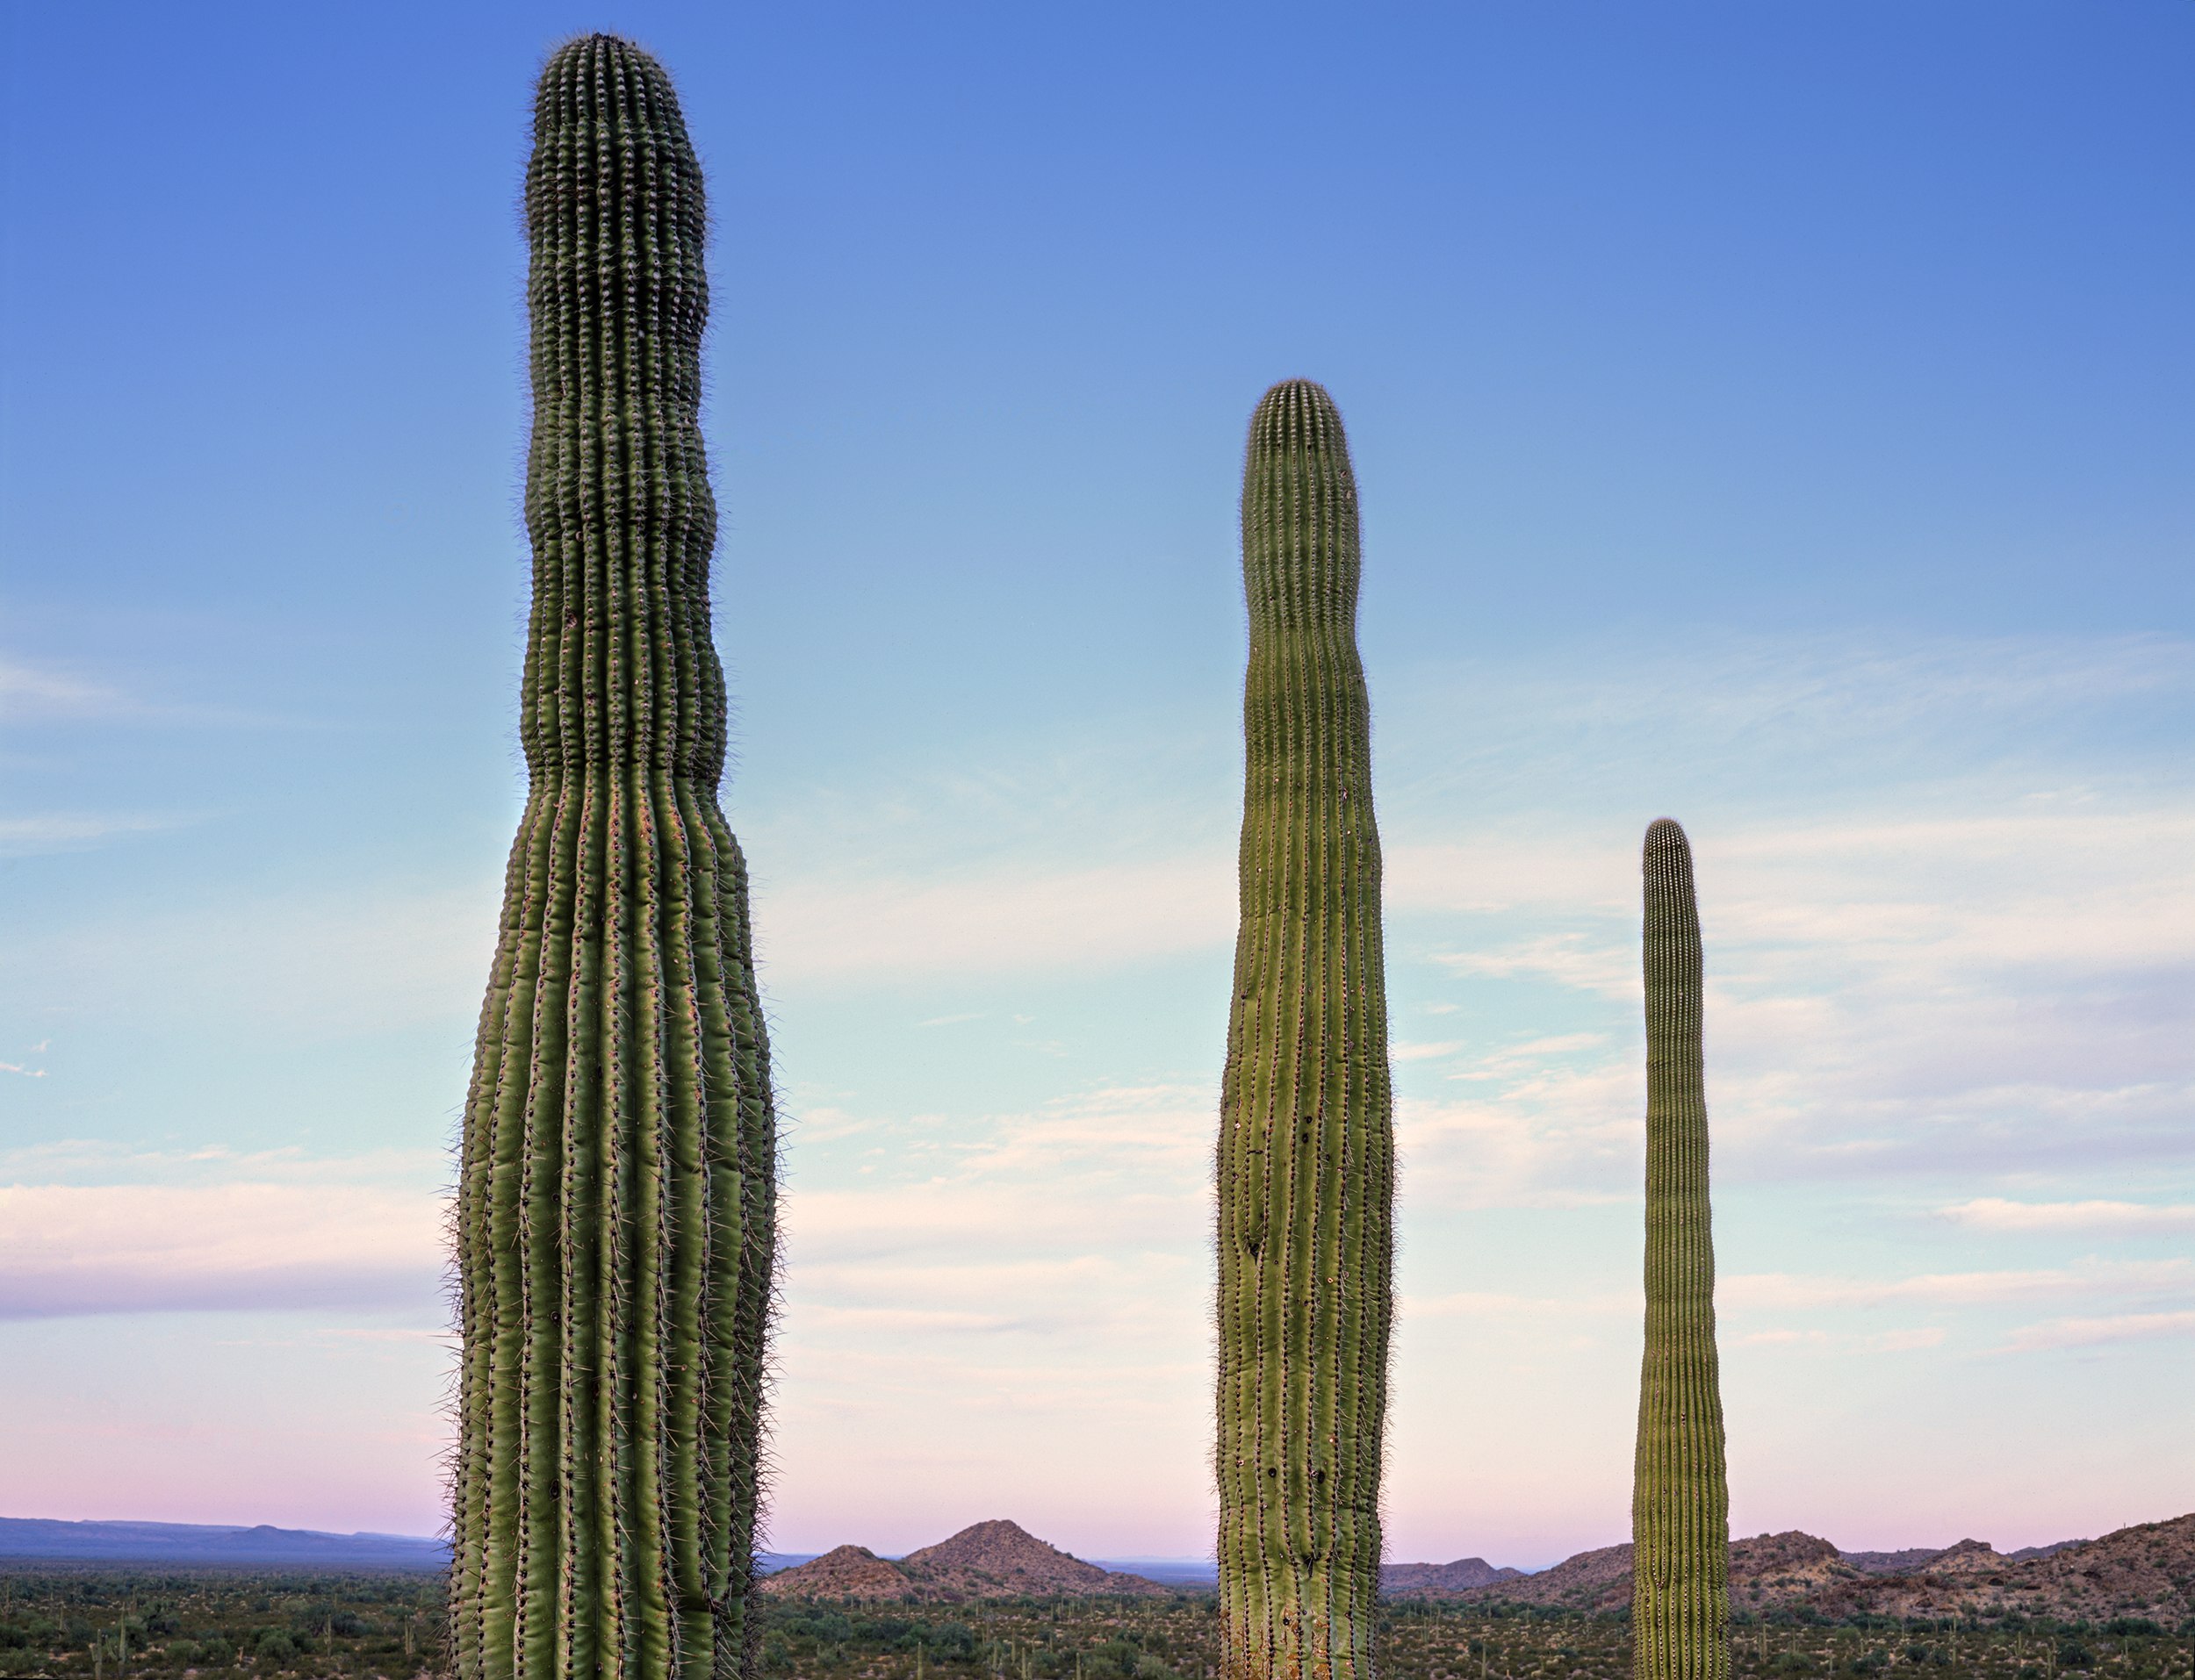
<point>1307,1141</point>
<point>615,1208</point>
<point>1679,1496</point>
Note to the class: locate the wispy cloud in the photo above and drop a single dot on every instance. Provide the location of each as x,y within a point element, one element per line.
<point>1401,1051</point>
<point>97,1162</point>
<point>1990,994</point>
<point>862,926</point>
<point>31,692</point>
<point>65,830</point>
<point>379,955</point>
<point>2093,1332</point>
<point>1495,1304</point>
<point>69,1250</point>
<point>1545,1134</point>
<point>1996,1214</point>
<point>2108,1280</point>
<point>28,690</point>
<point>1075,1231</point>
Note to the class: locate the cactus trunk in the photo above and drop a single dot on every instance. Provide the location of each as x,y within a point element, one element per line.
<point>615,1205</point>
<point>1305,1170</point>
<point>1679,1496</point>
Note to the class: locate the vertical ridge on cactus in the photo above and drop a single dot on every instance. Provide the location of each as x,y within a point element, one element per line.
<point>1305,1168</point>
<point>1680,1493</point>
<point>615,1213</point>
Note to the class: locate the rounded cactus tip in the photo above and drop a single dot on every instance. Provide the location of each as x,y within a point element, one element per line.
<point>1298,399</point>
<point>1666,833</point>
<point>599,45</point>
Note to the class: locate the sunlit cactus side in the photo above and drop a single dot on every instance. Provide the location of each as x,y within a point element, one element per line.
<point>1679,1494</point>
<point>1305,1170</point>
<point>614,1219</point>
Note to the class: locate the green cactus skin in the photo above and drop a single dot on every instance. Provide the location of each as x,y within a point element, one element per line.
<point>616,1211</point>
<point>1679,1494</point>
<point>1305,1170</point>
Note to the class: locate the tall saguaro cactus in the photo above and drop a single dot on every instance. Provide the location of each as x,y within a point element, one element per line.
<point>1679,1496</point>
<point>616,1207</point>
<point>1306,1142</point>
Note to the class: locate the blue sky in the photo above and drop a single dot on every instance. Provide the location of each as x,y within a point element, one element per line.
<point>1775,417</point>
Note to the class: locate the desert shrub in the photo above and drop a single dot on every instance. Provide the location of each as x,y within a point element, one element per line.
<point>953,1642</point>
<point>274,1644</point>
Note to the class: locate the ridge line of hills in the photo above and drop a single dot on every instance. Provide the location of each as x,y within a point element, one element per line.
<point>2147,1572</point>
<point>219,1544</point>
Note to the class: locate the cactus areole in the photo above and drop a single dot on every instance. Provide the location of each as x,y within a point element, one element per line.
<point>615,1217</point>
<point>1305,1170</point>
<point>1679,1497</point>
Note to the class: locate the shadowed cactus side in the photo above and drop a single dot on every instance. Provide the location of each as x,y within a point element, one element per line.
<point>1306,1171</point>
<point>614,1219</point>
<point>1680,1495</point>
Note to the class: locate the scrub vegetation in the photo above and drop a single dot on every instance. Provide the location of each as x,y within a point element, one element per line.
<point>1178,1639</point>
<point>218,1625</point>
<point>115,1624</point>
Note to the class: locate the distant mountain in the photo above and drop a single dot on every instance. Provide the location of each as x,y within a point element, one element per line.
<point>771,1562</point>
<point>1440,1580</point>
<point>198,1543</point>
<point>1193,1573</point>
<point>2148,1570</point>
<point>989,1560</point>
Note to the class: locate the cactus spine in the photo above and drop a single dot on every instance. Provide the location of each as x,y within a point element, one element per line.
<point>1305,1170</point>
<point>1679,1496</point>
<point>615,1215</point>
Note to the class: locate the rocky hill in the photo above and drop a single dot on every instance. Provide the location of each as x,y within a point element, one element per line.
<point>1918,1557</point>
<point>845,1572</point>
<point>1440,1580</point>
<point>990,1560</point>
<point>2148,1570</point>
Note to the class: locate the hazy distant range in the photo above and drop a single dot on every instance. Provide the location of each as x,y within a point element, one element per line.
<point>41,1539</point>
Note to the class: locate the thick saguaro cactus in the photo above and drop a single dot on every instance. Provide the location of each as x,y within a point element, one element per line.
<point>1679,1496</point>
<point>616,1207</point>
<point>1306,1142</point>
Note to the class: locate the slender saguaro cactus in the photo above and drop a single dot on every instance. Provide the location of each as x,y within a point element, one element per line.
<point>615,1206</point>
<point>1679,1496</point>
<point>1307,1141</point>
